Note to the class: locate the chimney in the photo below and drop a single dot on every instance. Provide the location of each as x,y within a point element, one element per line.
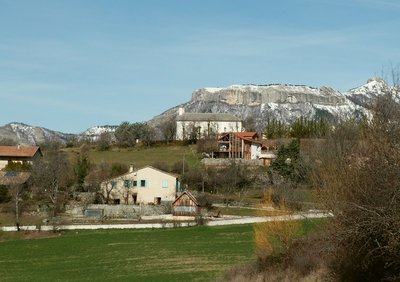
<point>131,168</point>
<point>19,147</point>
<point>181,111</point>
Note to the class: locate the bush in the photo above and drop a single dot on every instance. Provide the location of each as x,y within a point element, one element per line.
<point>4,196</point>
<point>358,182</point>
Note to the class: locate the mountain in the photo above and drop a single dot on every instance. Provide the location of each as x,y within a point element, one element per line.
<point>364,95</point>
<point>282,102</point>
<point>24,134</point>
<point>93,133</point>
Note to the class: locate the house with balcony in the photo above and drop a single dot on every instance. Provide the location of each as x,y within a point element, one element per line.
<point>147,185</point>
<point>238,145</point>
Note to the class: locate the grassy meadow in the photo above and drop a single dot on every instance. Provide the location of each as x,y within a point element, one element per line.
<point>141,156</point>
<point>187,254</point>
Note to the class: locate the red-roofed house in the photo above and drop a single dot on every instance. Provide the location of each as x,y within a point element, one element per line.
<point>239,145</point>
<point>18,154</point>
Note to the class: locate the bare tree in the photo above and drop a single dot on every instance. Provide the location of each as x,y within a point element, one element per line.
<point>51,179</point>
<point>104,141</point>
<point>103,179</point>
<point>358,179</point>
<point>17,190</point>
<point>168,129</point>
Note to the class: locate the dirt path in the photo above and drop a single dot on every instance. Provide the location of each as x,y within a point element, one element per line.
<point>212,222</point>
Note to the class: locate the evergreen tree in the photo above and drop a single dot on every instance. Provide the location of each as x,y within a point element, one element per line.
<point>289,162</point>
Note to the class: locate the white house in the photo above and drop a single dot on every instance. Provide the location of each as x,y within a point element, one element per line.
<point>147,185</point>
<point>203,124</point>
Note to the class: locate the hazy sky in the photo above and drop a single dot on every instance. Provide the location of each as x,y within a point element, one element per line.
<point>69,65</point>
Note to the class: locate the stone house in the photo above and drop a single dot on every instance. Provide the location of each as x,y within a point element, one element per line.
<point>147,185</point>
<point>203,124</point>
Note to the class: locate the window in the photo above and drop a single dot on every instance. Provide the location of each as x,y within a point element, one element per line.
<point>143,183</point>
<point>126,183</point>
<point>165,184</point>
<point>134,183</point>
<point>114,184</point>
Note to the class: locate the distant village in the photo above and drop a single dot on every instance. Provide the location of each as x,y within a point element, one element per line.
<point>227,143</point>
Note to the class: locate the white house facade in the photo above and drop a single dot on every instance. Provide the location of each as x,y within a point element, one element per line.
<point>147,185</point>
<point>203,124</point>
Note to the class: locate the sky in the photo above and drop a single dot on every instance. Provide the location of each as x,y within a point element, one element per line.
<point>68,65</point>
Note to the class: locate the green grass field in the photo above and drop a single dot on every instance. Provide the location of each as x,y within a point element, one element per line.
<point>188,254</point>
<point>143,156</point>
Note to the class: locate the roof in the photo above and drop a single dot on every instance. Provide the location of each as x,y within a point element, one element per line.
<point>206,117</point>
<point>148,166</point>
<point>189,195</point>
<point>246,135</point>
<point>13,177</point>
<point>19,151</point>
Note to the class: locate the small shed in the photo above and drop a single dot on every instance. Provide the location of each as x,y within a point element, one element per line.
<point>185,205</point>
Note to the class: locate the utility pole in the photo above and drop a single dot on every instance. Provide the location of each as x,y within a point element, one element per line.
<point>183,165</point>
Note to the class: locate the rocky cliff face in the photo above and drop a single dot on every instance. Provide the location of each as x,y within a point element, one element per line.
<point>282,102</point>
<point>261,102</point>
<point>253,95</point>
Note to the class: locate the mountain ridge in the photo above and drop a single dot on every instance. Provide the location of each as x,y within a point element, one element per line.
<point>285,102</point>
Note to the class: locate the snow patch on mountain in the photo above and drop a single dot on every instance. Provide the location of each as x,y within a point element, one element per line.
<point>365,94</point>
<point>94,133</point>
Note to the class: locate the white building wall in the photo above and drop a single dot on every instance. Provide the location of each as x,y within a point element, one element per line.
<point>3,164</point>
<point>154,188</point>
<point>183,128</point>
<point>255,151</point>
<point>157,184</point>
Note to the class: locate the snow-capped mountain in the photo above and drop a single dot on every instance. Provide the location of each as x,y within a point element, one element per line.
<point>262,102</point>
<point>24,134</point>
<point>364,95</point>
<point>280,101</point>
<point>93,133</point>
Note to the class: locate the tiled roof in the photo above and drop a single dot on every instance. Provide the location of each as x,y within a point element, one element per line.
<point>206,117</point>
<point>18,151</point>
<point>246,135</point>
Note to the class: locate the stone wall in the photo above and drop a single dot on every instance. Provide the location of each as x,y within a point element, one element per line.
<point>132,211</point>
<point>227,162</point>
<point>123,211</point>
